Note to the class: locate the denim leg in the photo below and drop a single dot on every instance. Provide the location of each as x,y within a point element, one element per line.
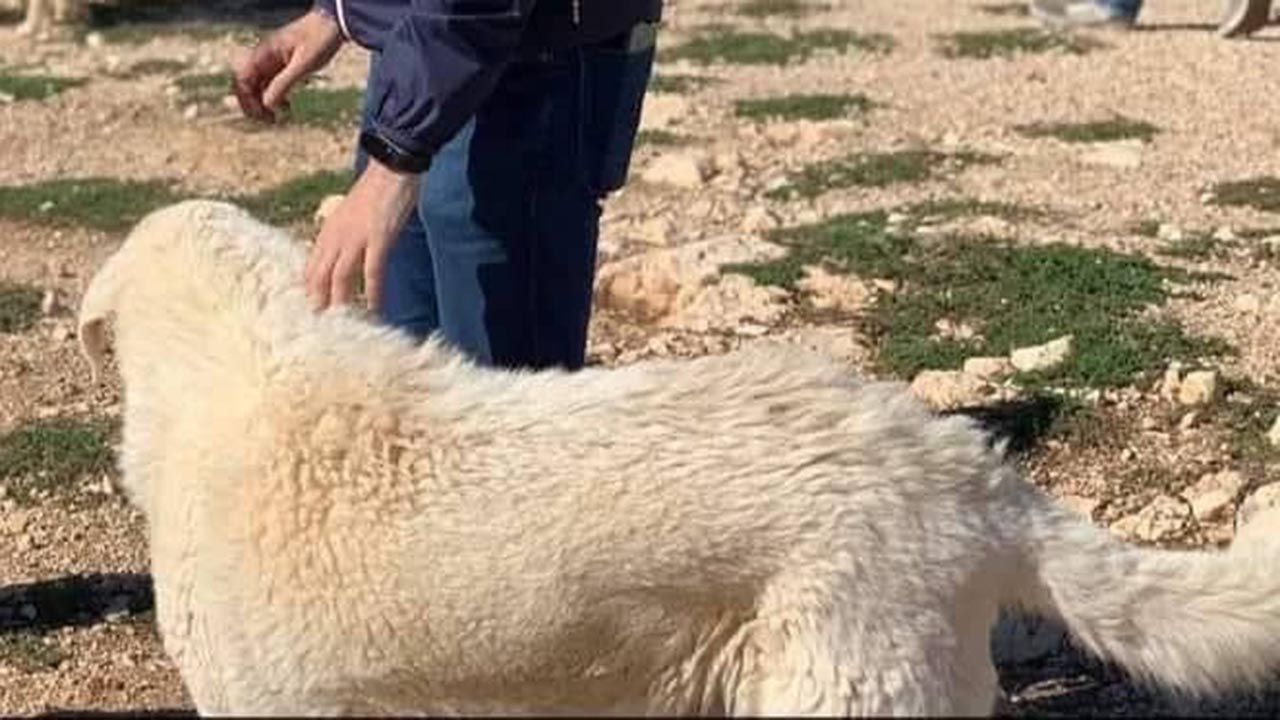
<point>1127,8</point>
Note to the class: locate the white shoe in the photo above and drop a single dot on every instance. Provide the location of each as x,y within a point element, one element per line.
<point>1078,13</point>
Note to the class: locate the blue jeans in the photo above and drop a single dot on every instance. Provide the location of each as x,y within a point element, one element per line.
<point>1127,8</point>
<point>500,257</point>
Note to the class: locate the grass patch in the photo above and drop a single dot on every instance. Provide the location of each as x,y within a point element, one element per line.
<point>987,44</point>
<point>29,652</point>
<point>297,199</point>
<point>1247,425</point>
<point>325,107</point>
<point>779,8</point>
<point>203,87</point>
<point>756,48</point>
<point>19,307</point>
<point>803,107</point>
<point>1200,246</point>
<point>942,210</point>
<point>48,456</point>
<point>35,86</point>
<point>1117,128</point>
<point>679,84</point>
<point>152,66</point>
<point>874,170</point>
<point>1014,296</point>
<point>664,138</point>
<point>1260,193</point>
<point>1011,9</point>
<point>100,203</point>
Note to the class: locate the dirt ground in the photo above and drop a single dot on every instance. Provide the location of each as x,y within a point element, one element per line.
<point>75,628</point>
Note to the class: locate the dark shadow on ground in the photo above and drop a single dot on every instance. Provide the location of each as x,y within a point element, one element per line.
<point>256,13</point>
<point>73,601</point>
<point>1021,423</point>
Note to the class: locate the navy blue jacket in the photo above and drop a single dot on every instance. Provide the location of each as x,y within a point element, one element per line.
<point>442,58</point>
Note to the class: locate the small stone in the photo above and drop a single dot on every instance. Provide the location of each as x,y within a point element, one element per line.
<point>1121,155</point>
<point>682,170</point>
<point>191,112</point>
<point>94,40</point>
<point>897,218</point>
<point>47,206</point>
<point>1248,304</point>
<point>1273,435</point>
<point>49,303</point>
<point>1198,388</point>
<point>831,291</point>
<point>7,98</point>
<point>1080,504</point>
<point>884,285</point>
<point>1042,357</point>
<point>1170,233</point>
<point>950,389</point>
<point>1225,234</point>
<point>989,368</point>
<point>949,329</point>
<point>61,333</point>
<point>1212,496</point>
<point>1188,421</point>
<point>1164,519</point>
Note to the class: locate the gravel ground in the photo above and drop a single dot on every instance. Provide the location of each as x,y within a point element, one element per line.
<point>75,631</point>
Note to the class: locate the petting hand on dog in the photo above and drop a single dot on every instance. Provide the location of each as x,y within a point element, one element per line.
<point>357,236</point>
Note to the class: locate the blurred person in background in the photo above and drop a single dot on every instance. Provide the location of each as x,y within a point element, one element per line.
<point>1239,17</point>
<point>493,130</point>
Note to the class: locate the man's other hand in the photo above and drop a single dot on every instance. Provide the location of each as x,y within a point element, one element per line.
<point>266,74</point>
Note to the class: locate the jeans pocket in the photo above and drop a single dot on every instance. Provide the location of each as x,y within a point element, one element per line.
<point>615,77</point>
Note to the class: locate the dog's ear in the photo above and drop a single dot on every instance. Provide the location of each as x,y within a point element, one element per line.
<point>98,303</point>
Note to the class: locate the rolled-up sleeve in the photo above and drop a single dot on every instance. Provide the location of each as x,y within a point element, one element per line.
<point>440,59</point>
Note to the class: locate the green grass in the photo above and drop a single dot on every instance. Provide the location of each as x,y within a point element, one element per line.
<point>153,66</point>
<point>1117,128</point>
<point>874,170</point>
<point>987,44</point>
<point>1014,296</point>
<point>296,199</point>
<point>1200,246</point>
<point>35,86</point>
<point>19,307</point>
<point>203,87</point>
<point>679,84</point>
<point>49,456</point>
<point>758,48</point>
<point>325,107</point>
<point>29,652</point>
<point>779,8</point>
<point>803,107</point>
<point>1149,228</point>
<point>942,210</point>
<point>1260,193</point>
<point>99,203</point>
<point>1247,425</point>
<point>664,138</point>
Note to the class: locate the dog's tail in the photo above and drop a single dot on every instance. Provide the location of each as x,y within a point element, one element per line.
<point>1196,621</point>
<point>96,306</point>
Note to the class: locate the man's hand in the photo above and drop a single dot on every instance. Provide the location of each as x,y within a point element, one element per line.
<point>358,236</point>
<point>264,77</point>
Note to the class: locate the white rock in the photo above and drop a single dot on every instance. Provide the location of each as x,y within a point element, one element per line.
<point>191,112</point>
<point>1273,435</point>
<point>1213,495</point>
<point>950,389</point>
<point>1122,155</point>
<point>326,208</point>
<point>1248,304</point>
<point>1164,519</point>
<point>1171,381</point>
<point>1261,500</point>
<point>1225,234</point>
<point>6,98</point>
<point>94,40</point>
<point>1042,357</point>
<point>1198,388</point>
<point>679,169</point>
<point>49,303</point>
<point>1170,232</point>
<point>989,368</point>
<point>831,291</point>
<point>61,333</point>
<point>951,330</point>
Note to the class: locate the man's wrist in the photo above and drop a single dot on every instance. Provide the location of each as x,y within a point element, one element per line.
<point>391,156</point>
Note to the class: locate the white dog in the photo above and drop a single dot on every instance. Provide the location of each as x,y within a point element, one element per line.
<point>343,521</point>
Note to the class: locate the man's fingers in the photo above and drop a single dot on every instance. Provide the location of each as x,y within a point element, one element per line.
<point>343,277</point>
<point>250,76</point>
<point>374,267</point>
<point>279,87</point>
<point>318,277</point>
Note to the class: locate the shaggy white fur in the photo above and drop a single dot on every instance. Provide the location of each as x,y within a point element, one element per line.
<point>343,521</point>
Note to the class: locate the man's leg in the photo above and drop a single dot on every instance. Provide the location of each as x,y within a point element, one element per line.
<point>1067,13</point>
<point>512,209</point>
